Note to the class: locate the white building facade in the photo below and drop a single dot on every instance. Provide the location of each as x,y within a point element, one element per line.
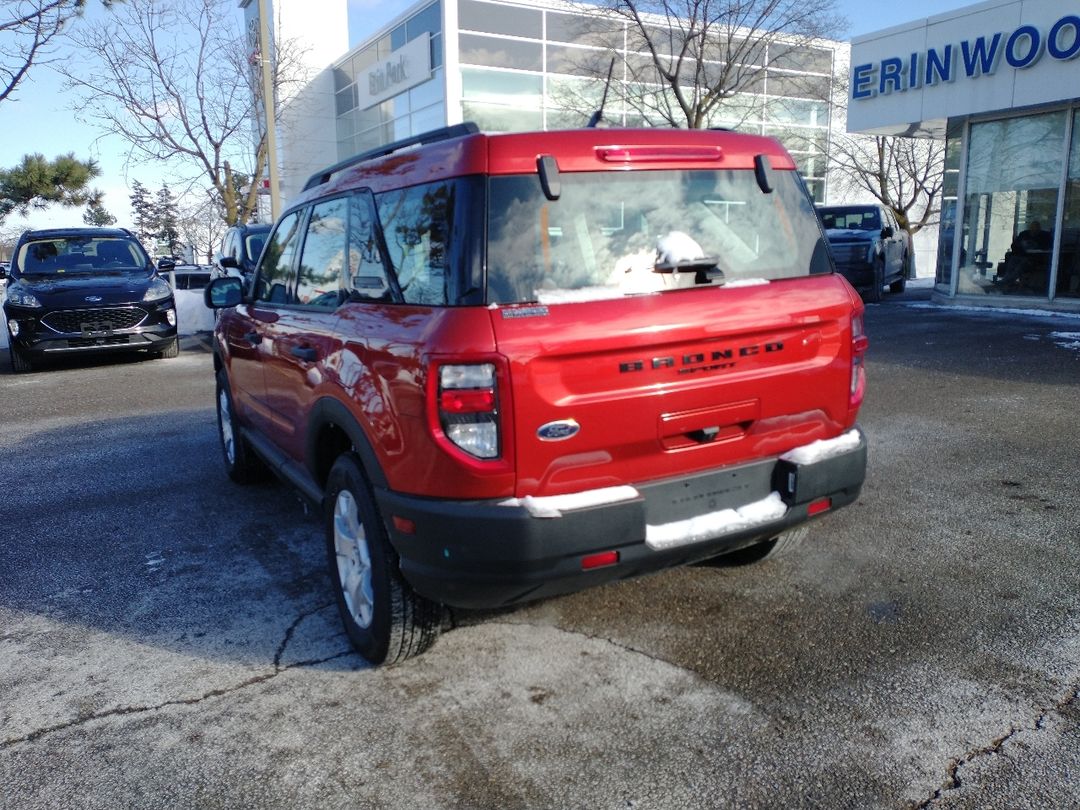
<point>518,65</point>
<point>1000,80</point>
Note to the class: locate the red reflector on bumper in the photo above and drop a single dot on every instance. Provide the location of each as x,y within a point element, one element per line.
<point>600,560</point>
<point>819,506</point>
<point>404,525</point>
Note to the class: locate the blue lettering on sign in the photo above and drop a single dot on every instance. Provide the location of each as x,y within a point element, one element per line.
<point>939,68</point>
<point>978,58</point>
<point>862,82</point>
<point>891,76</point>
<point>1035,46</point>
<point>1053,41</point>
<point>1021,49</point>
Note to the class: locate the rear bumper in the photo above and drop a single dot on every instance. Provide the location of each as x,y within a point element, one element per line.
<point>482,554</point>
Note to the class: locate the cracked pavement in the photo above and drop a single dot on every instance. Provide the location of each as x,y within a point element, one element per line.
<point>168,639</point>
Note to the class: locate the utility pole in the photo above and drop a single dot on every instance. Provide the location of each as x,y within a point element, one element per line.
<point>268,107</point>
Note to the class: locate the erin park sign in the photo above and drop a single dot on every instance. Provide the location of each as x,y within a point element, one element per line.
<point>984,55</point>
<point>406,67</point>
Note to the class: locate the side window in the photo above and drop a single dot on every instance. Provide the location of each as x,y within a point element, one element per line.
<point>367,272</point>
<point>320,279</point>
<point>273,280</point>
<point>416,225</point>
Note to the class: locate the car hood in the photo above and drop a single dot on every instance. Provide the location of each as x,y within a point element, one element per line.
<point>850,235</point>
<point>74,291</point>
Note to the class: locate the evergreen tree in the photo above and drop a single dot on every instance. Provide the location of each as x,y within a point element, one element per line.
<point>168,220</point>
<point>96,215</point>
<point>144,214</point>
<point>37,182</point>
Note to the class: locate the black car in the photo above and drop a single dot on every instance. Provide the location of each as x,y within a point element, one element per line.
<point>86,290</point>
<point>869,247</point>
<point>240,249</point>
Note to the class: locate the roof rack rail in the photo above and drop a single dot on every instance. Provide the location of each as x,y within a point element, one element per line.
<point>435,135</point>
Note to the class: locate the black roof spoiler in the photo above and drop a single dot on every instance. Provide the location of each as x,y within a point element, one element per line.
<point>435,135</point>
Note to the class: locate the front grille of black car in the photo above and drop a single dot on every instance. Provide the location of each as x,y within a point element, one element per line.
<point>849,252</point>
<point>71,321</point>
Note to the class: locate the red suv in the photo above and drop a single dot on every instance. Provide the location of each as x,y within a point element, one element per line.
<point>512,366</point>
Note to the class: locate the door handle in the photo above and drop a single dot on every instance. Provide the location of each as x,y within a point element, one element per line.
<point>254,338</point>
<point>304,353</point>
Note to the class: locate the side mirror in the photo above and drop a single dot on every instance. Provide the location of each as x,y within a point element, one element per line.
<point>887,232</point>
<point>3,272</point>
<point>223,292</point>
<point>228,261</point>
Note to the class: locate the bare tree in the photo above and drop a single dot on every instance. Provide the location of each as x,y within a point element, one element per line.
<point>903,173</point>
<point>202,224</point>
<point>27,30</point>
<point>684,62</point>
<point>173,79</point>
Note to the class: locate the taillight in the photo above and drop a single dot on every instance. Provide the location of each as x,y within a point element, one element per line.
<point>468,405</point>
<point>859,344</point>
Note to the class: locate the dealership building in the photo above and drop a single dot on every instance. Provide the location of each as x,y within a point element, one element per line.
<point>999,80</point>
<point>510,66</point>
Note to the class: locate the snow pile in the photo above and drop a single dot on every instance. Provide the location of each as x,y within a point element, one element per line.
<point>715,524</point>
<point>192,314</point>
<point>552,506</point>
<point>823,449</point>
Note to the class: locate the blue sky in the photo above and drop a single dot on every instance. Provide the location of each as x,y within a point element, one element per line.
<point>40,119</point>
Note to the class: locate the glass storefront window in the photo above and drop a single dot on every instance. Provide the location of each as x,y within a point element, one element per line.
<point>1010,205</point>
<point>504,53</point>
<point>498,87</point>
<point>512,21</point>
<point>1068,276</point>
<point>950,188</point>
<point>582,30</point>
<point>797,111</point>
<point>496,118</point>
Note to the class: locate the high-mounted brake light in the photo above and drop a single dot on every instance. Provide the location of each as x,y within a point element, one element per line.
<point>469,408</point>
<point>658,154</point>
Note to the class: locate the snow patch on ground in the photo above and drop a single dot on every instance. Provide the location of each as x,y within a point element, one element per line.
<point>995,311</point>
<point>1066,340</point>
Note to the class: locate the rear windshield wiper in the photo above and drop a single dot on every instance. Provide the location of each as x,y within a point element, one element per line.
<point>706,269</point>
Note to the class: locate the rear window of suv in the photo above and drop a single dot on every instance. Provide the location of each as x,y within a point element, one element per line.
<point>600,238</point>
<point>80,254</point>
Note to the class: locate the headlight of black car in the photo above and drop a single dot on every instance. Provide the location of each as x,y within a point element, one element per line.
<point>158,290</point>
<point>20,297</point>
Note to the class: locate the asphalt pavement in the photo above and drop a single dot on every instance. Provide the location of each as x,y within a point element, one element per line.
<point>167,638</point>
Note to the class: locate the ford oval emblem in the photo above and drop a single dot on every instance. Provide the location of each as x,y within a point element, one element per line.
<point>558,431</point>
<point>93,299</point>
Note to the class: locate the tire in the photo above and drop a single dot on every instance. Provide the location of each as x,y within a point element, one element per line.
<point>241,463</point>
<point>873,295</point>
<point>20,364</point>
<point>173,349</point>
<point>386,621</point>
<point>765,550</point>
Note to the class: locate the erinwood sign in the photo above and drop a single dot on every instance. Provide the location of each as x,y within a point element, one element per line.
<point>968,59</point>
<point>406,67</point>
<point>991,57</point>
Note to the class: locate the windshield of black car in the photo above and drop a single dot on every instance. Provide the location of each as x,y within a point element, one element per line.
<point>620,233</point>
<point>851,219</point>
<point>80,255</point>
